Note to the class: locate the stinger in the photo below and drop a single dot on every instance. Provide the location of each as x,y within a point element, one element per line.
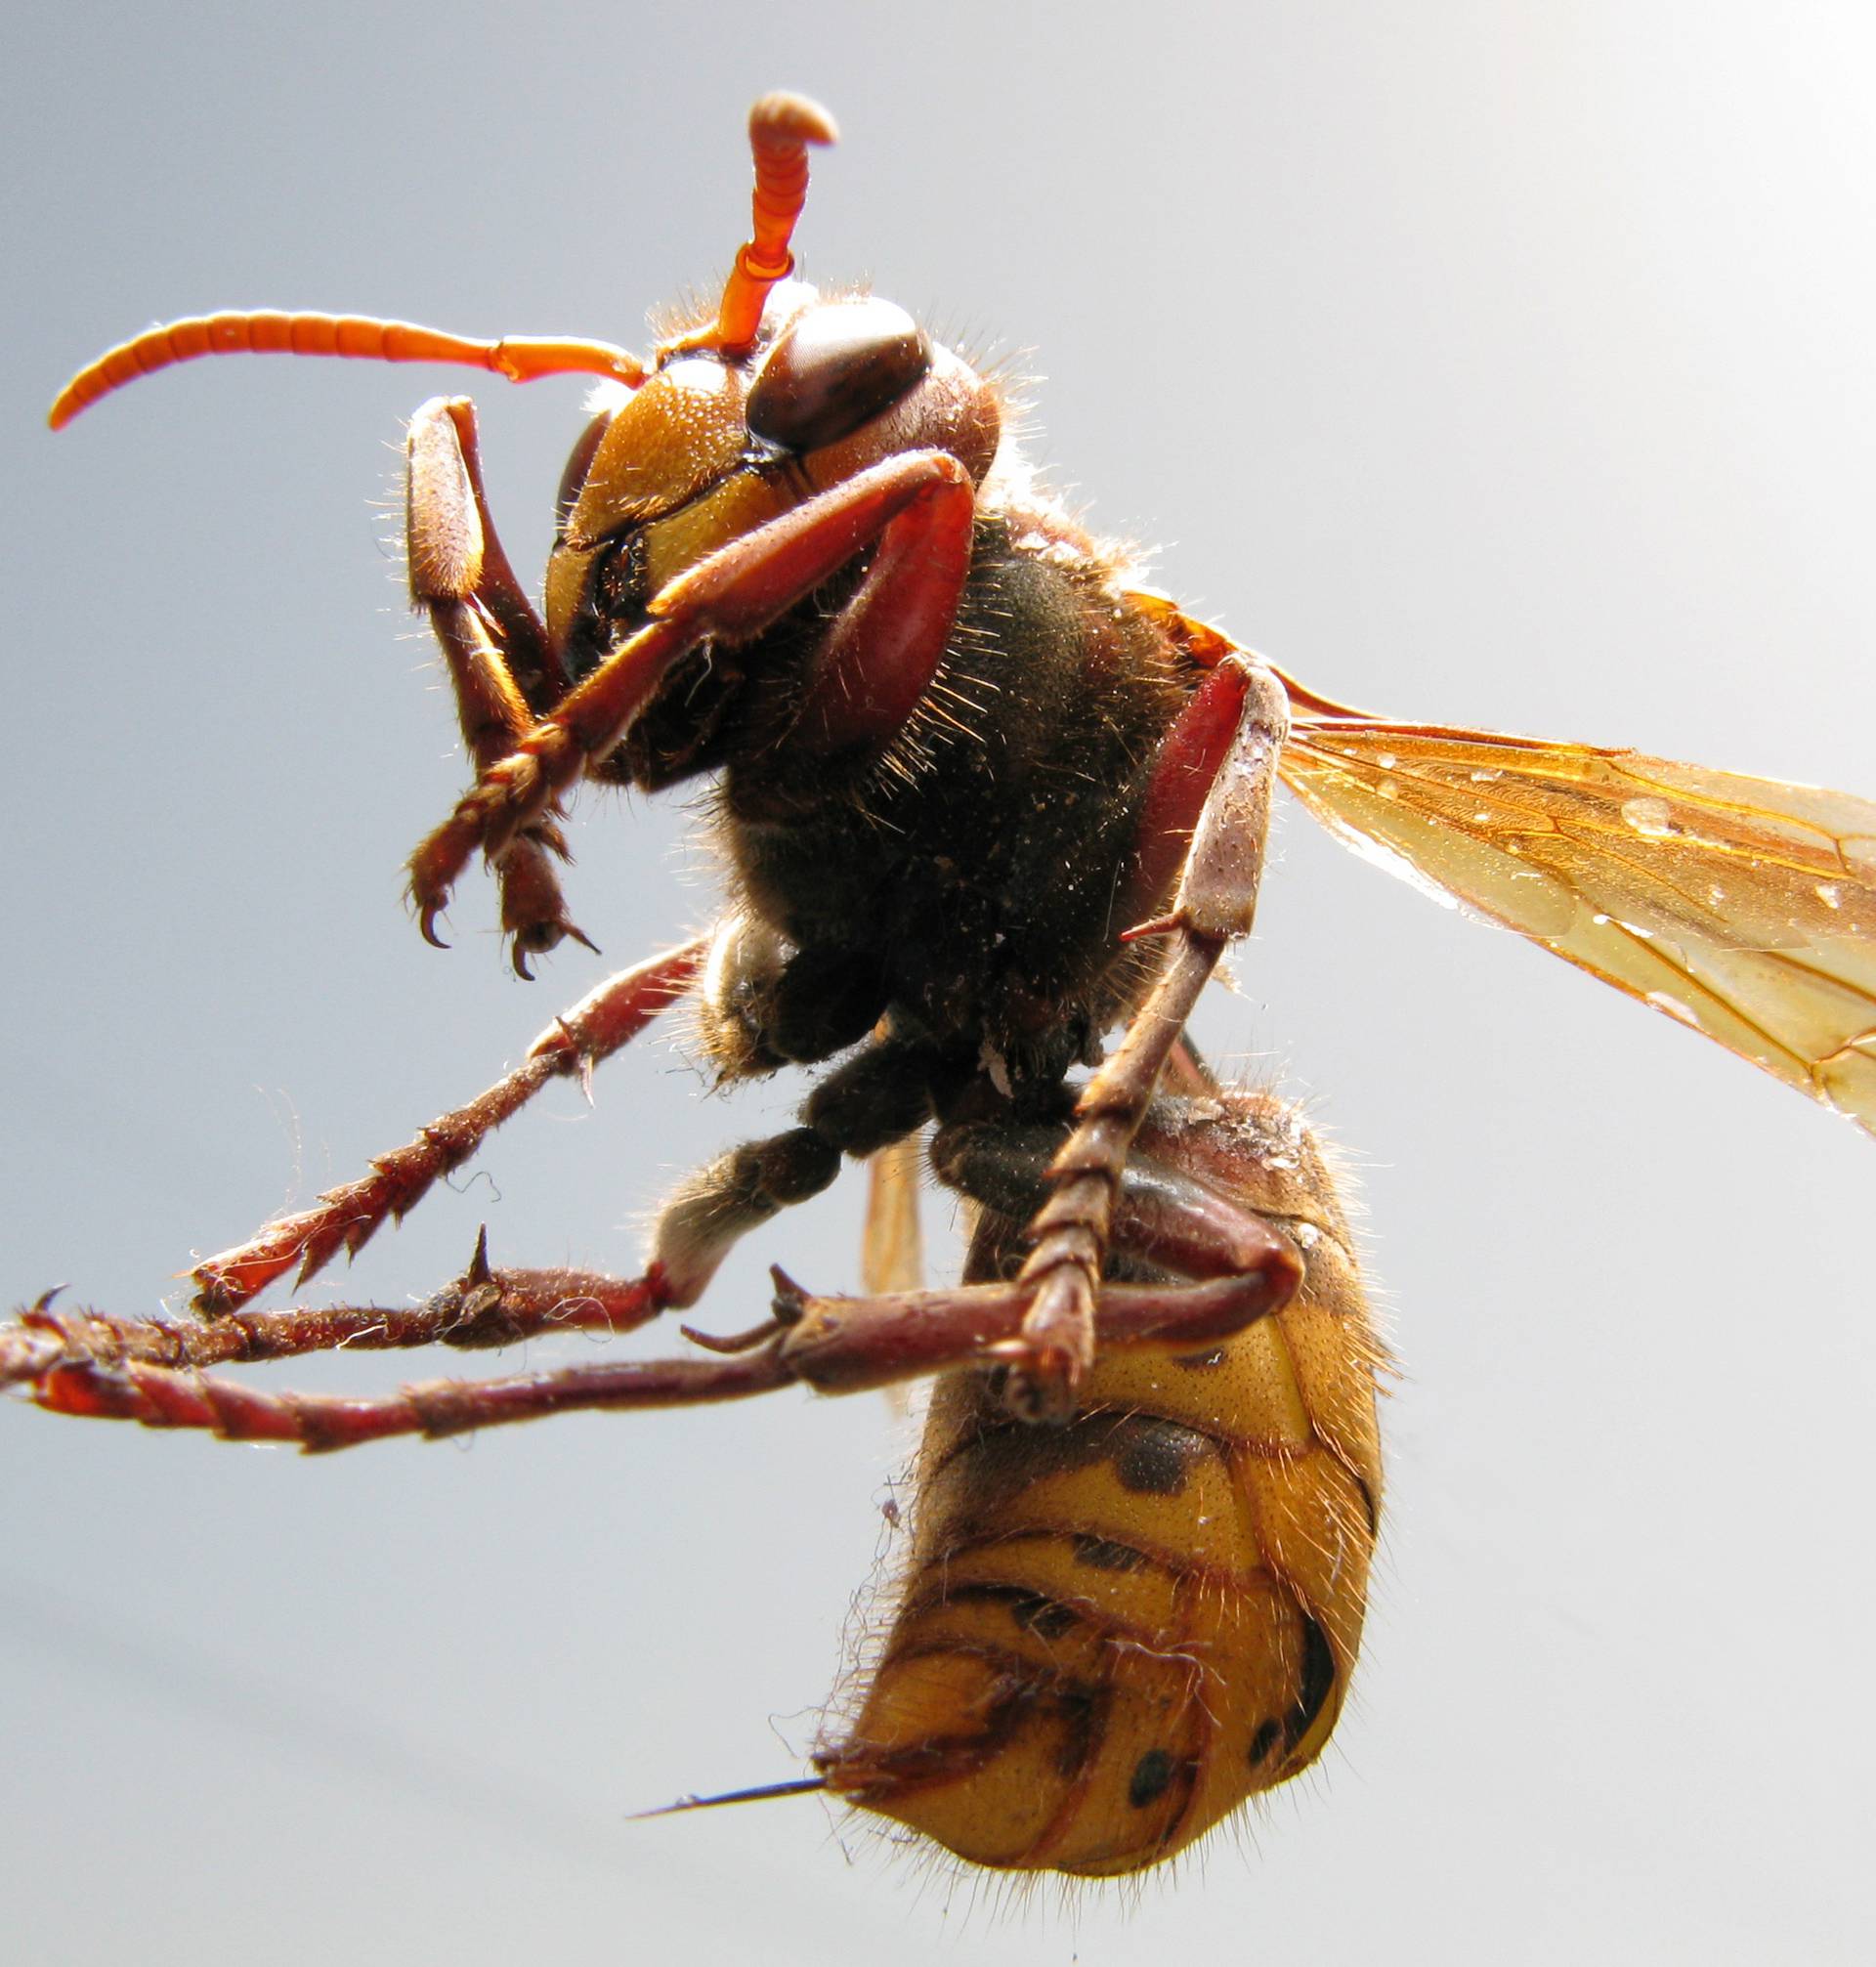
<point>766,1792</point>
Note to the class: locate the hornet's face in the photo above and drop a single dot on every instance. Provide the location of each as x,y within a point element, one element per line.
<point>714,444</point>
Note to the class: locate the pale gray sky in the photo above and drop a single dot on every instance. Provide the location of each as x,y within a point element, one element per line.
<point>1490,364</point>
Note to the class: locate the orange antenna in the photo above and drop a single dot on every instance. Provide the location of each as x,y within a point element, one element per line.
<point>360,337</point>
<point>780,129</point>
<point>802,1786</point>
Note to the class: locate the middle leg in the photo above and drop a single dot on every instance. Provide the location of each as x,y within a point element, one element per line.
<point>347,1218</point>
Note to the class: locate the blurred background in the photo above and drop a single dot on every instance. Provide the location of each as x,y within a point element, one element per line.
<point>1501,364</point>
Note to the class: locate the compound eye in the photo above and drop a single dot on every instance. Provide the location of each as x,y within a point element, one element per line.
<point>573,479</point>
<point>833,369</point>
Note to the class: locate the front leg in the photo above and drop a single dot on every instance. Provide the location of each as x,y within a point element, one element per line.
<point>502,668</point>
<point>916,509</point>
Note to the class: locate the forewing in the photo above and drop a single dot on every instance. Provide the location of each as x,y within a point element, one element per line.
<point>1743,907</point>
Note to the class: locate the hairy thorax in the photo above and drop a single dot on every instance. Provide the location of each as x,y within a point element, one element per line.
<point>966,877</point>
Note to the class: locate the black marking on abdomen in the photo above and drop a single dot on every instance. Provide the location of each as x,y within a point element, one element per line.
<point>1155,1457</point>
<point>1033,1611</point>
<point>1151,1779</point>
<point>1318,1681</point>
<point>1103,1553</point>
<point>1083,1713</point>
<point>1047,1618</point>
<point>979,1479</point>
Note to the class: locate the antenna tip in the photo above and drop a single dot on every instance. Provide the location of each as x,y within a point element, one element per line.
<point>791,118</point>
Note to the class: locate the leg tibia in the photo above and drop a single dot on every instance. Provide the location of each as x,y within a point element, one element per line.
<point>485,1307</point>
<point>347,1218</point>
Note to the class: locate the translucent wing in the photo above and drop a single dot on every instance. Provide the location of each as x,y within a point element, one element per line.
<point>892,1253</point>
<point>892,1248</point>
<point>1743,907</point>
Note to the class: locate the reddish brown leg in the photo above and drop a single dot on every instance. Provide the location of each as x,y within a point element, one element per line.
<point>159,1397</point>
<point>1231,785</point>
<point>850,1345</point>
<point>503,669</point>
<point>455,556</point>
<point>880,653</point>
<point>483,1308</point>
<point>347,1218</point>
<point>733,595</point>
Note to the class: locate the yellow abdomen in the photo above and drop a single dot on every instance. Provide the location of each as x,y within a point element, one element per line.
<point>1115,1631</point>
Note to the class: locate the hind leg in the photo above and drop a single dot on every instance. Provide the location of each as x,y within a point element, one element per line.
<point>1212,1265</point>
